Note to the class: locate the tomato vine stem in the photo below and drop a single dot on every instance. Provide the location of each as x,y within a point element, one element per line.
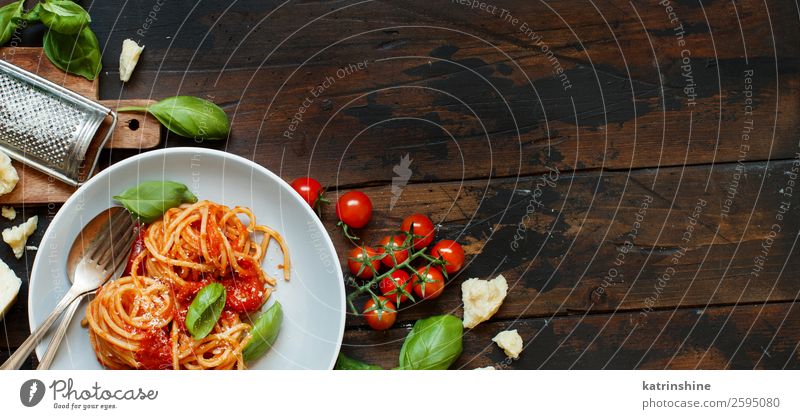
<point>376,279</point>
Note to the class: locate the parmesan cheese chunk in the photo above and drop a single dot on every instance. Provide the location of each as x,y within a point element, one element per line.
<point>9,287</point>
<point>17,236</point>
<point>131,51</point>
<point>482,299</point>
<point>8,212</point>
<point>510,341</point>
<point>8,175</point>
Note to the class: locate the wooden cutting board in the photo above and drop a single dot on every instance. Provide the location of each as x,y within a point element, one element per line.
<point>133,131</point>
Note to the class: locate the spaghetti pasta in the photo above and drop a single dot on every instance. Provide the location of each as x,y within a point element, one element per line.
<point>138,321</point>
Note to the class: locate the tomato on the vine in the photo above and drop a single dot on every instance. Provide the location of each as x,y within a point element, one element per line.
<point>428,282</point>
<point>400,292</point>
<point>393,245</point>
<point>380,313</point>
<point>354,208</point>
<point>360,259</point>
<point>423,229</point>
<point>310,190</point>
<point>451,252</point>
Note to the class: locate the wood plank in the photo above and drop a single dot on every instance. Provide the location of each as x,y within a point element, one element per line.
<point>618,71</point>
<point>242,38</point>
<point>33,59</point>
<point>619,51</point>
<point>147,133</point>
<point>136,131</point>
<point>594,246</point>
<point>561,264</point>
<point>14,326</point>
<point>36,188</point>
<point>744,337</point>
<point>569,246</point>
<point>133,131</point>
<point>644,127</point>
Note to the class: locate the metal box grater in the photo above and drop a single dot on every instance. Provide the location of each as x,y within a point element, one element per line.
<point>49,127</point>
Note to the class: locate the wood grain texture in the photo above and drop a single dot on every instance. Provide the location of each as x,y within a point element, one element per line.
<point>35,188</point>
<point>439,69</point>
<point>34,60</point>
<point>701,278</point>
<point>563,260</point>
<point>137,131</point>
<point>602,243</point>
<point>742,337</point>
<point>148,132</point>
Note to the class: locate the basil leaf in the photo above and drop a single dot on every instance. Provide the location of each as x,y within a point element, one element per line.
<point>205,310</point>
<point>265,331</point>
<point>344,362</point>
<point>433,344</point>
<point>31,16</point>
<point>149,200</point>
<point>8,16</point>
<point>188,116</point>
<point>64,16</point>
<point>77,54</point>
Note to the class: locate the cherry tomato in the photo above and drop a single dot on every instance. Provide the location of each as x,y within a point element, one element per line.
<point>309,189</point>
<point>380,316</point>
<point>392,291</point>
<point>428,286</point>
<point>354,209</point>
<point>423,226</point>
<point>389,242</point>
<point>360,259</point>
<point>451,252</point>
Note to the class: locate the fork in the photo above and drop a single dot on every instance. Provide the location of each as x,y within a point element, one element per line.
<point>104,256</point>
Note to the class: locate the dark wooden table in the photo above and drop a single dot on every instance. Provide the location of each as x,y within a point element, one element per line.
<point>627,166</point>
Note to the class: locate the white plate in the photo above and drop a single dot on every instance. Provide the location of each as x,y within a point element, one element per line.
<point>313,299</point>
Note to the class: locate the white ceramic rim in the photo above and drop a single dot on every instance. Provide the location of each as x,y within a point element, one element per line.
<point>209,152</point>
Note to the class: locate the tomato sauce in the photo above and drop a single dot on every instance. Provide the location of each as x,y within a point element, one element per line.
<point>180,319</point>
<point>213,239</point>
<point>228,316</point>
<point>245,291</point>
<point>136,248</point>
<point>185,294</point>
<point>155,352</point>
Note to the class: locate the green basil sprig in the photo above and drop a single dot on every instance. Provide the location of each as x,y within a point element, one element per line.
<point>69,43</point>
<point>205,310</point>
<point>433,344</point>
<point>78,54</point>
<point>31,16</point>
<point>64,16</point>
<point>149,200</point>
<point>265,331</point>
<point>188,116</point>
<point>8,19</point>
<point>344,362</point>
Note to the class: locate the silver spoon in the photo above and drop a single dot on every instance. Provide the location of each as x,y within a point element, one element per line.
<point>97,253</point>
